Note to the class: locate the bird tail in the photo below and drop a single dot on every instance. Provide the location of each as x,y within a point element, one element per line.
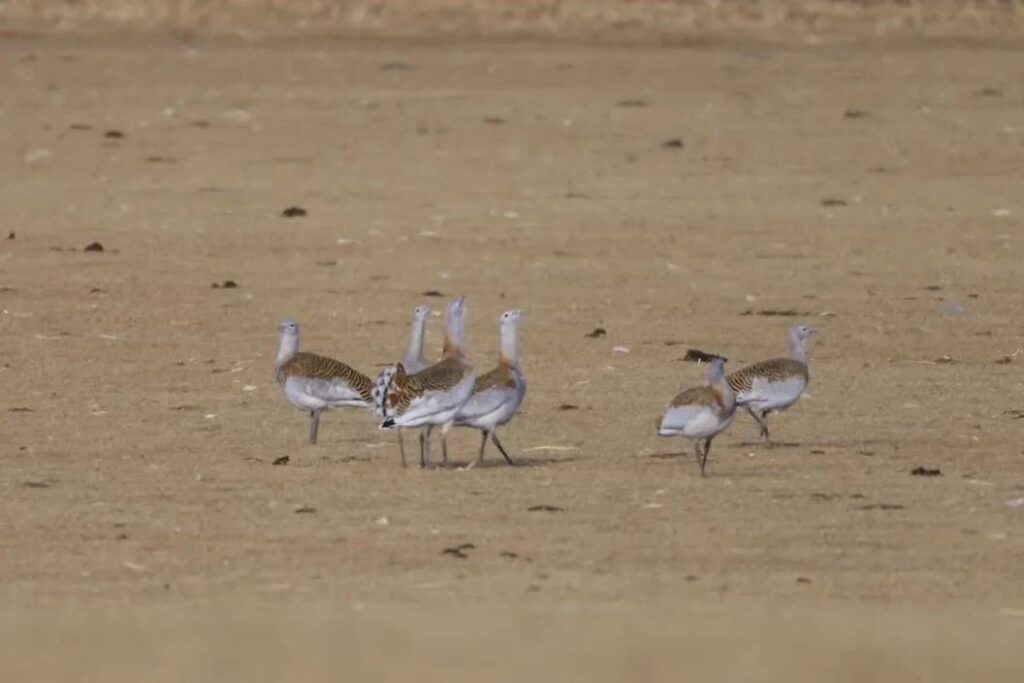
<point>379,393</point>
<point>387,391</point>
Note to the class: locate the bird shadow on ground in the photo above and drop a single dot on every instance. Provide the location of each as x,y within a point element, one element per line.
<point>344,459</point>
<point>842,443</point>
<point>775,445</point>
<point>668,455</point>
<point>499,463</point>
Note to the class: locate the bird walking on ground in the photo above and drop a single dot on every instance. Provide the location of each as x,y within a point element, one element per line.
<point>414,361</point>
<point>701,413</point>
<point>772,386</point>
<point>498,394</point>
<point>432,397</point>
<point>315,383</point>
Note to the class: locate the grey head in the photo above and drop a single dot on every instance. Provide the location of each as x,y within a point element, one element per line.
<point>716,373</point>
<point>288,328</point>
<point>456,305</point>
<point>420,312</point>
<point>802,332</point>
<point>512,316</point>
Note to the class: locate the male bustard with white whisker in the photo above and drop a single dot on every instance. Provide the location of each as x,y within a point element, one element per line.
<point>498,394</point>
<point>429,398</point>
<point>772,386</point>
<point>315,383</point>
<point>701,413</point>
<point>414,360</point>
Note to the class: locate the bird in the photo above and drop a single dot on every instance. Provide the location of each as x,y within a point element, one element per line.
<point>414,361</point>
<point>498,394</point>
<point>315,383</point>
<point>433,396</point>
<point>701,413</point>
<point>772,386</point>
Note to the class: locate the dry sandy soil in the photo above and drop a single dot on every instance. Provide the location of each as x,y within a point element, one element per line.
<point>875,191</point>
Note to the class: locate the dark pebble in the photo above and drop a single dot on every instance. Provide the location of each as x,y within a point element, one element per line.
<point>926,472</point>
<point>674,143</point>
<point>93,246</point>
<point>294,212</point>
<point>545,508</point>
<point>432,292</point>
<point>882,506</point>
<point>113,135</point>
<point>283,460</point>
<point>773,312</point>
<point>597,333</point>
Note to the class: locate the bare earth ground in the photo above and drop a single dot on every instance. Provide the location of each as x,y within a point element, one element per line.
<point>145,534</point>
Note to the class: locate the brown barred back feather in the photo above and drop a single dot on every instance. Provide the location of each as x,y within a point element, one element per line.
<point>438,377</point>
<point>774,370</point>
<point>700,396</point>
<point>500,377</point>
<point>313,366</point>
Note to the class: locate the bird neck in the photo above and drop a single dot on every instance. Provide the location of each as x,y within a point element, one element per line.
<point>796,347</point>
<point>414,354</point>
<point>287,348</point>
<point>510,344</point>
<point>454,339</point>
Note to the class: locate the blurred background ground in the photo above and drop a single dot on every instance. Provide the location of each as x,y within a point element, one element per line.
<point>632,20</point>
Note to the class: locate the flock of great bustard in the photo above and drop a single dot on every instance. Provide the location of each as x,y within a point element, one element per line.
<point>415,393</point>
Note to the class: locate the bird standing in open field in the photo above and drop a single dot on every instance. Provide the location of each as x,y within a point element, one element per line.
<point>432,397</point>
<point>498,394</point>
<point>701,413</point>
<point>315,383</point>
<point>772,386</point>
<point>414,361</point>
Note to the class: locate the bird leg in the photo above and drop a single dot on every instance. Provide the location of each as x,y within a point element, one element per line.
<point>761,422</point>
<point>483,444</point>
<point>704,457</point>
<point>401,446</point>
<point>764,429</point>
<point>314,425</point>
<point>494,438</point>
<point>444,443</point>
<point>425,447</point>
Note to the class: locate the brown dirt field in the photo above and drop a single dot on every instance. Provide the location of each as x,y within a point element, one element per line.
<point>617,20</point>
<point>145,534</point>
